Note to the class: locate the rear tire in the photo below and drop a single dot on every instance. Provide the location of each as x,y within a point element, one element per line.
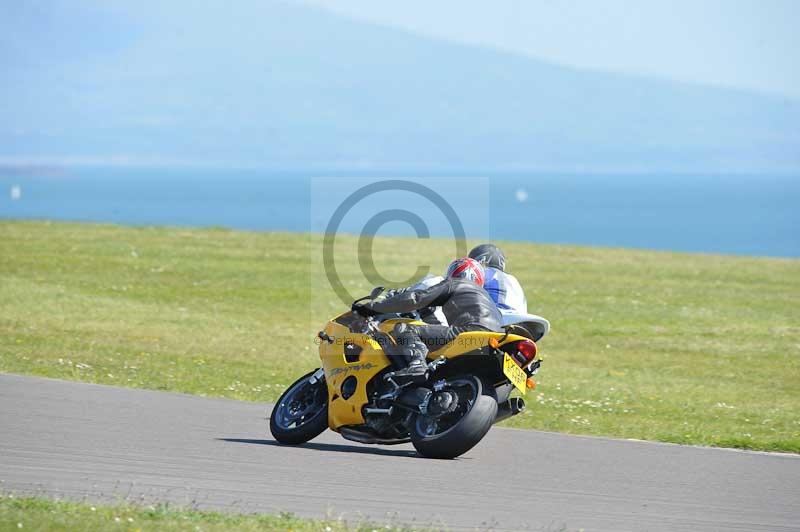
<point>301,413</point>
<point>463,435</point>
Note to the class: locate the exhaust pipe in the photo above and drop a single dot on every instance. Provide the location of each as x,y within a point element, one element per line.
<point>509,408</point>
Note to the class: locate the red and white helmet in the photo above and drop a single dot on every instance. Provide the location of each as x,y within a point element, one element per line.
<point>466,268</point>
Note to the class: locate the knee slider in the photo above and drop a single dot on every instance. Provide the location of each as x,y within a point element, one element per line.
<point>402,328</point>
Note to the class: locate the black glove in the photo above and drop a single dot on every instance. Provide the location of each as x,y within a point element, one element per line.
<point>361,310</point>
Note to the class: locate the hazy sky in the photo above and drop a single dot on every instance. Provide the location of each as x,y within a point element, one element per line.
<point>736,43</point>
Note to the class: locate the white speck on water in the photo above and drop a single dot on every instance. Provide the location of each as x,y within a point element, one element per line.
<point>521,194</point>
<point>16,192</point>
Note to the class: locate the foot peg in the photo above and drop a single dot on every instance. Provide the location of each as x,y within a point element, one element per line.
<point>416,370</point>
<point>436,363</point>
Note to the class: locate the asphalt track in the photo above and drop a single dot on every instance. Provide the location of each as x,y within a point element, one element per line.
<point>100,443</point>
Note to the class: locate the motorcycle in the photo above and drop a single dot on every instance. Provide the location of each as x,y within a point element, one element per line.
<point>467,390</point>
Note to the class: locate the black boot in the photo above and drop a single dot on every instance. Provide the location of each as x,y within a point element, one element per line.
<point>414,352</point>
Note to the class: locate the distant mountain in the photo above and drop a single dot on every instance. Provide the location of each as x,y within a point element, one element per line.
<point>262,82</point>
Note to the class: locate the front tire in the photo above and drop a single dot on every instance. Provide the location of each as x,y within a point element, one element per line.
<point>301,413</point>
<point>454,434</point>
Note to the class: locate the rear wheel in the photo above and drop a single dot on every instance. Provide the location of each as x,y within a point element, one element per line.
<point>452,434</point>
<point>301,413</point>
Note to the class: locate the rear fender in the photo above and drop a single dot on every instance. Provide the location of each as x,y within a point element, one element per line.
<point>470,353</point>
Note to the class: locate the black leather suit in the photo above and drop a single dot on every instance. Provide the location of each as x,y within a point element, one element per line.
<point>467,306</point>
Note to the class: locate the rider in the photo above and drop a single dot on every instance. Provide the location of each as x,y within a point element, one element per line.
<point>465,304</point>
<point>503,287</point>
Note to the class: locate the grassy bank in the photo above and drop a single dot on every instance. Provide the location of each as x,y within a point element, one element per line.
<point>652,345</point>
<point>44,515</point>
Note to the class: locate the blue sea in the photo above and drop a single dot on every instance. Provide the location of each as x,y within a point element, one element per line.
<point>733,214</point>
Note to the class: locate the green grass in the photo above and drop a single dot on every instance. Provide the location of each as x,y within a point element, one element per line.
<point>674,347</point>
<point>44,515</point>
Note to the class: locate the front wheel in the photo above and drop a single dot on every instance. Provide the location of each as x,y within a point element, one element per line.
<point>301,413</point>
<point>452,434</point>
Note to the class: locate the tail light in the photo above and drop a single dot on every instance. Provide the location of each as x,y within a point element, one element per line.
<point>526,351</point>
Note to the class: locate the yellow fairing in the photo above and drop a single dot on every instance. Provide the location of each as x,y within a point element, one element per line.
<point>472,341</point>
<point>464,343</point>
<point>371,361</point>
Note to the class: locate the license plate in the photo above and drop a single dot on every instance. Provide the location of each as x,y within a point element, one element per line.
<point>514,373</point>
